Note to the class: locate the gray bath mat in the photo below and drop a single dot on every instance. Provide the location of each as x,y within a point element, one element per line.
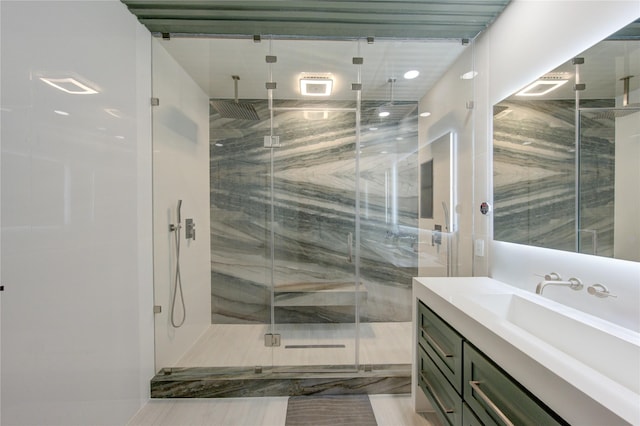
<point>330,410</point>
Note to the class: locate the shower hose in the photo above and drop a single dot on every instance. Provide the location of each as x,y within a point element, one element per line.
<point>177,285</point>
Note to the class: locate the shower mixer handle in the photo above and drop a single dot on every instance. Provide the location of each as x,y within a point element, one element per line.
<point>190,229</point>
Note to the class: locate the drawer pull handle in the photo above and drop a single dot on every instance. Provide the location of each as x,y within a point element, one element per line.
<point>435,343</point>
<point>475,385</point>
<point>435,395</point>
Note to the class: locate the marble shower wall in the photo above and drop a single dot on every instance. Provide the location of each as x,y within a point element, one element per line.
<point>534,175</point>
<point>314,209</point>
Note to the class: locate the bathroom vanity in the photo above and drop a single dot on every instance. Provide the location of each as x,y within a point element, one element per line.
<point>490,353</point>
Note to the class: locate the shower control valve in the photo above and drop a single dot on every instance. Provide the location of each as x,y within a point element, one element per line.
<point>190,229</point>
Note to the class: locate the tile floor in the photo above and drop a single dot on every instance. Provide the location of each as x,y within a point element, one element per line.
<point>390,410</point>
<point>243,345</point>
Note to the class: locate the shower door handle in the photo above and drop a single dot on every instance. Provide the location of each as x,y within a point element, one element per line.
<point>350,247</point>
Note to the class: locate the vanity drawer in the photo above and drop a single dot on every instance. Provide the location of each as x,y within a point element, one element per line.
<point>468,418</point>
<point>496,398</point>
<point>442,343</point>
<point>444,399</point>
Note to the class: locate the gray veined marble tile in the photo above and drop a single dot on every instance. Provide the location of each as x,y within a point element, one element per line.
<point>314,207</point>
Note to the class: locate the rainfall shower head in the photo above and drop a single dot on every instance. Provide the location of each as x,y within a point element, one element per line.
<point>236,110</point>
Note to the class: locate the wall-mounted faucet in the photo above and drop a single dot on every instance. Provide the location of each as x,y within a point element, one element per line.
<point>554,279</point>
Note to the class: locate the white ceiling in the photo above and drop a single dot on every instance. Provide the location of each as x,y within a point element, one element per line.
<point>212,61</point>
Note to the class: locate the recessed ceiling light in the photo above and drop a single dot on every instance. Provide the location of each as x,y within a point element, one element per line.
<point>384,114</point>
<point>69,85</point>
<point>409,75</point>
<point>57,111</point>
<point>541,87</point>
<point>425,114</point>
<point>469,75</point>
<point>373,129</point>
<point>527,143</point>
<point>219,144</point>
<point>310,86</point>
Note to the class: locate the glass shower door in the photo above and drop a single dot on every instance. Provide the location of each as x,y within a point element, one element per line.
<point>315,298</point>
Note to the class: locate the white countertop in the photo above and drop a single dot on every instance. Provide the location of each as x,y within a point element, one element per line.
<point>576,391</point>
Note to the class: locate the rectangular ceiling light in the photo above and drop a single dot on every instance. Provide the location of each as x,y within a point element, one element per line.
<point>69,85</point>
<point>541,87</point>
<point>316,86</point>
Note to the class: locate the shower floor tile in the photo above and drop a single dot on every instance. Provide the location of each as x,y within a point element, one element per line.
<point>242,345</point>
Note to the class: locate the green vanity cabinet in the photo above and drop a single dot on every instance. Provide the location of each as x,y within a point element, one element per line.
<point>442,343</point>
<point>496,398</point>
<point>464,386</point>
<point>443,397</point>
<point>468,418</point>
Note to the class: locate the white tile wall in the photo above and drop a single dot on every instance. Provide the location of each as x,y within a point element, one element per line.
<point>76,195</point>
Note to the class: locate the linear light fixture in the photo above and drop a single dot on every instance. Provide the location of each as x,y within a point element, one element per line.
<point>541,87</point>
<point>69,85</point>
<point>310,86</point>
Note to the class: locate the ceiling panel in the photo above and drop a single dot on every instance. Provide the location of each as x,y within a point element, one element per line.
<point>319,18</point>
<point>212,61</point>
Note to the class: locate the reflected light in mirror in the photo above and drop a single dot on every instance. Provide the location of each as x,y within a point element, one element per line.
<point>69,85</point>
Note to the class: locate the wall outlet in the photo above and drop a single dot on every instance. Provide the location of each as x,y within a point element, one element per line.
<point>479,248</point>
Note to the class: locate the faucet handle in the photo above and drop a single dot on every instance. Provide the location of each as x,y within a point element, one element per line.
<point>599,290</point>
<point>552,276</point>
<point>575,284</point>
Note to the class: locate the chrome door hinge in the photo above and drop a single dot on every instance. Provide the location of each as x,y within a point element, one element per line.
<point>271,340</point>
<point>155,101</point>
<point>272,142</point>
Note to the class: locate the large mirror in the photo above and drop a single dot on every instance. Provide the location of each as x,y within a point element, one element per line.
<point>566,154</point>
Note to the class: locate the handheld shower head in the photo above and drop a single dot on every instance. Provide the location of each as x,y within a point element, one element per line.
<point>179,206</point>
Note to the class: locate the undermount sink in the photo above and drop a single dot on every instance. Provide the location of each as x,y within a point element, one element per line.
<point>603,346</point>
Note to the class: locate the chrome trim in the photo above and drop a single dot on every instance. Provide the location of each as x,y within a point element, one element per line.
<point>475,385</point>
<point>435,396</point>
<point>435,343</point>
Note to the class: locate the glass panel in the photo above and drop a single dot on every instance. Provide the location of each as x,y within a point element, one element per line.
<point>314,227</point>
<point>240,204</point>
<point>388,181</point>
<point>294,217</point>
<point>609,176</point>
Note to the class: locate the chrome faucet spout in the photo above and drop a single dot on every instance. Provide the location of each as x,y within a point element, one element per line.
<point>572,283</point>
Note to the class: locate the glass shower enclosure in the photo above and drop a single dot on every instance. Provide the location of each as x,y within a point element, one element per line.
<point>313,205</point>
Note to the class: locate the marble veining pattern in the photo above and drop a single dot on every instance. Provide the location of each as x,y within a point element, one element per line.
<point>242,382</point>
<point>314,210</point>
<point>534,175</point>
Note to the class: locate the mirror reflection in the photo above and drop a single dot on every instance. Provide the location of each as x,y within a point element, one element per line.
<point>566,154</point>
